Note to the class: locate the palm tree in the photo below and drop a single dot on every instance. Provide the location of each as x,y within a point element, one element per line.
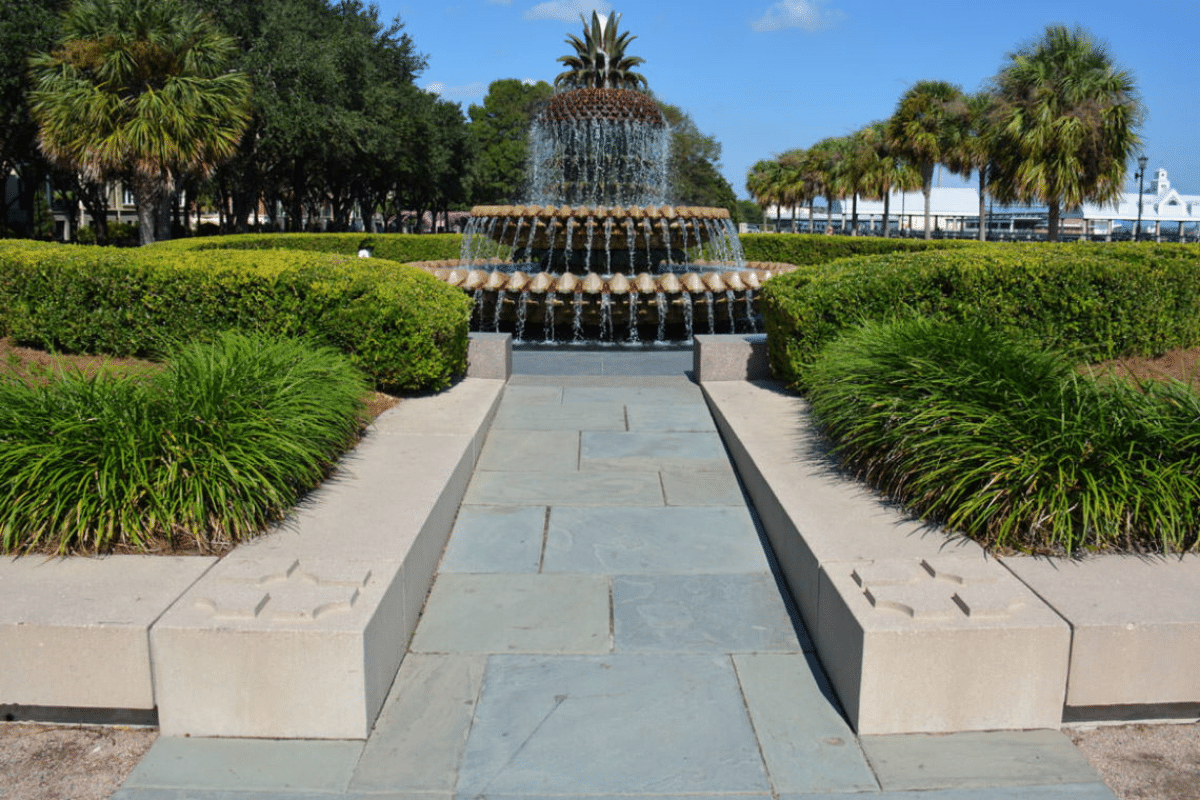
<point>925,127</point>
<point>599,61</point>
<point>883,169</point>
<point>1066,122</point>
<point>763,184</point>
<point>138,90</point>
<point>824,168</point>
<point>973,151</point>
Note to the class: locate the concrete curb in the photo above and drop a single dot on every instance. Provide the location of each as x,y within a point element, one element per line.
<point>922,633</point>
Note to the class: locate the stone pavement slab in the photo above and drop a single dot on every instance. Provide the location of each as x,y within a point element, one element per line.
<point>919,762</point>
<point>570,488</point>
<point>549,417</point>
<point>688,488</point>
<point>421,733</point>
<point>642,451</point>
<point>700,614</point>
<point>1062,791</point>
<point>807,745</point>
<point>246,764</point>
<point>643,396</point>
<point>690,415</point>
<point>515,614</point>
<point>496,539</point>
<point>617,541</point>
<point>530,451</point>
<point>606,725</point>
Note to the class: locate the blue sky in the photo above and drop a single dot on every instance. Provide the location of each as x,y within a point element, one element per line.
<point>764,77</point>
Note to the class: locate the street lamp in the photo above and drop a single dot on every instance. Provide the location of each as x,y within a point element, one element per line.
<point>1141,174</point>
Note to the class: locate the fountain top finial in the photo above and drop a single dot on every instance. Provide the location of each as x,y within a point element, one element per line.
<point>599,61</point>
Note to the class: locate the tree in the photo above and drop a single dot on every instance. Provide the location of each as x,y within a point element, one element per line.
<point>823,170</point>
<point>925,128</point>
<point>763,184</point>
<point>694,164</point>
<point>139,89</point>
<point>26,27</point>
<point>599,61</point>
<point>884,170</point>
<point>333,88</point>
<point>1066,121</point>
<point>974,149</point>
<point>500,131</point>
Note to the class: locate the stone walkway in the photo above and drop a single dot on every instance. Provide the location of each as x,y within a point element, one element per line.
<point>606,623</point>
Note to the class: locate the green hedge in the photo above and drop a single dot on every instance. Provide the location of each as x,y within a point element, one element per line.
<point>1096,301</point>
<point>804,249</point>
<point>403,327</point>
<point>401,247</point>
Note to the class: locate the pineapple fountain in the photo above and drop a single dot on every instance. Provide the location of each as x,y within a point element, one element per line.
<point>599,254</point>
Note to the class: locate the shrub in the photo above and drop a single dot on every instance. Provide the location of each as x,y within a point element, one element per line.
<point>217,445</point>
<point>1094,301</point>
<point>400,247</point>
<point>1007,442</point>
<point>804,249</point>
<point>404,328</point>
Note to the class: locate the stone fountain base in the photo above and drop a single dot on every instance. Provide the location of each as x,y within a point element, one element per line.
<point>565,307</point>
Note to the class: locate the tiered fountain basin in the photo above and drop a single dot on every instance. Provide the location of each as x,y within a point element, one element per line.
<point>565,307</point>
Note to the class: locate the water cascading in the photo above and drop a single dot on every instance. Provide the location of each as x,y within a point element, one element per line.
<point>598,226</point>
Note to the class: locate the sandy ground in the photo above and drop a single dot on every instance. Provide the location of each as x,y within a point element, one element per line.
<point>58,762</point>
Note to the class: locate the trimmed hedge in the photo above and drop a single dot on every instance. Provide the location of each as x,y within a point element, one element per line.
<point>1095,301</point>
<point>804,249</point>
<point>402,327</point>
<point>401,247</point>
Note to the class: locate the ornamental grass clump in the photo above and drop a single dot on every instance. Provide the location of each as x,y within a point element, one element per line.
<point>220,443</point>
<point>1011,444</point>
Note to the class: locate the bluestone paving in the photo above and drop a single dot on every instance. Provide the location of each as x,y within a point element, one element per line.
<point>669,417</point>
<point>530,451</point>
<point>621,451</point>
<point>496,539</point>
<point>700,613</point>
<point>569,488</point>
<point>498,613</point>
<point>612,724</point>
<point>807,745</point>
<point>550,417</point>
<point>919,762</point>
<point>595,635</point>
<point>420,737</point>
<point>245,764</point>
<point>688,488</point>
<point>633,541</point>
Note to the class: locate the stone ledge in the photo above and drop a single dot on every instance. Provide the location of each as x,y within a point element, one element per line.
<point>1128,626</point>
<point>300,633</point>
<point>74,632</point>
<point>730,357</point>
<point>76,641</point>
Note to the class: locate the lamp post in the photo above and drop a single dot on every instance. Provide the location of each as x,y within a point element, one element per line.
<point>1141,174</point>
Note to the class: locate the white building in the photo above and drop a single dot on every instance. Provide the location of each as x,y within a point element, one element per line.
<point>1164,211</point>
<point>955,212</point>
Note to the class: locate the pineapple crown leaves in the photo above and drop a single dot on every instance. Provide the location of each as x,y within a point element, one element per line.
<point>599,61</point>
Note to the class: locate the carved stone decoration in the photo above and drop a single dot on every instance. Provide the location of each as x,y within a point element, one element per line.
<point>924,592</point>
<point>291,594</point>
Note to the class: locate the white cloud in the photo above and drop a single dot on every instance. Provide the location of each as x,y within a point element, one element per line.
<point>567,10</point>
<point>468,92</point>
<point>803,14</point>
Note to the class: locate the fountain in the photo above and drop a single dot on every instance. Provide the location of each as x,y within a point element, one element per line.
<point>599,254</point>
